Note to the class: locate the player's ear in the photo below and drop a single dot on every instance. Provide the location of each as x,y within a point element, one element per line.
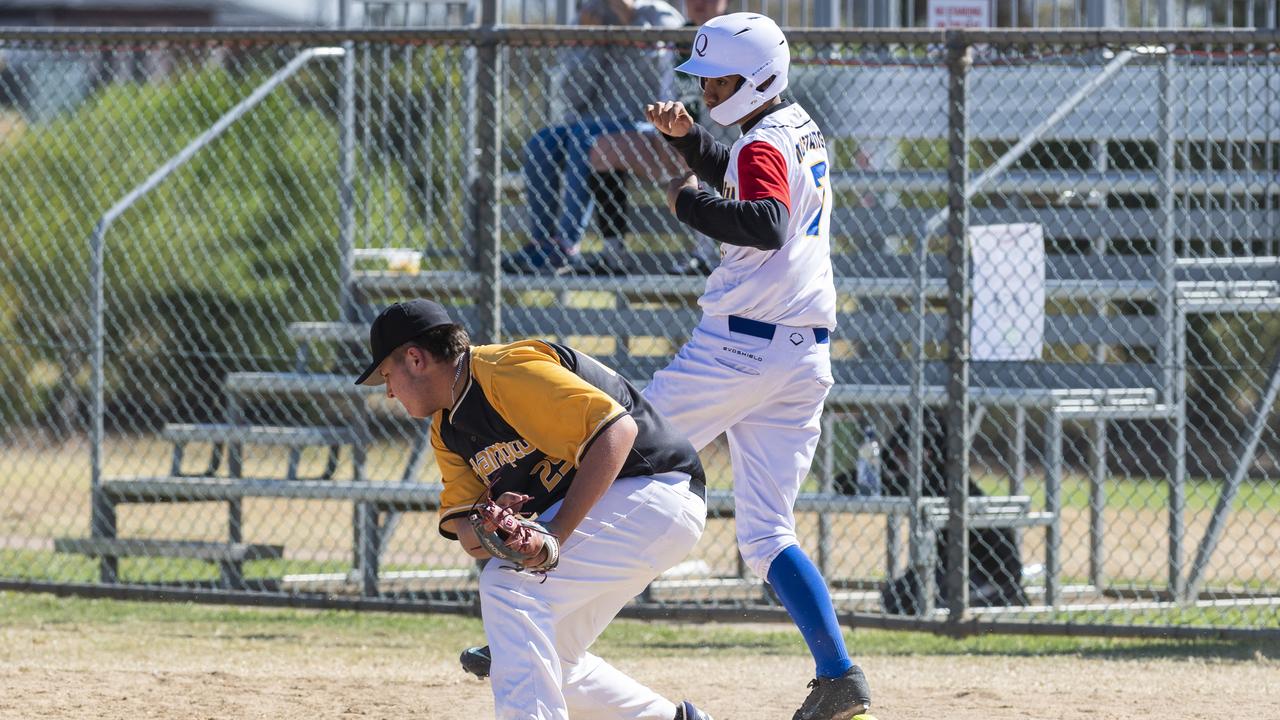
<point>412,357</point>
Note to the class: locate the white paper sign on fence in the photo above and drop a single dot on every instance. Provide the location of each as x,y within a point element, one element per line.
<point>1008,292</point>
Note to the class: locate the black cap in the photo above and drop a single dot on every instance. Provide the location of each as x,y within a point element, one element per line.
<point>397,325</point>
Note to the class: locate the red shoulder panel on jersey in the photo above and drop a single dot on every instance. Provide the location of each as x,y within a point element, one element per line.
<point>762,173</point>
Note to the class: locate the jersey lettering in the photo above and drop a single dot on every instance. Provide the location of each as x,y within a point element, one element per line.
<point>809,143</point>
<point>491,459</point>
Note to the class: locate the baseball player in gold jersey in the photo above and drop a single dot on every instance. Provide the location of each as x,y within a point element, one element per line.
<point>544,429</point>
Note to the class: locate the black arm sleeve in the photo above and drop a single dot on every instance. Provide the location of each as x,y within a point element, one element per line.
<point>761,224</point>
<point>707,158</point>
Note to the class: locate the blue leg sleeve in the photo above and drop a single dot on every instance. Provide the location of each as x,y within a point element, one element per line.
<point>799,585</point>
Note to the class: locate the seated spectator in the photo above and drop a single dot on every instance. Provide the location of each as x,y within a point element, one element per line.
<point>642,152</point>
<point>604,89</point>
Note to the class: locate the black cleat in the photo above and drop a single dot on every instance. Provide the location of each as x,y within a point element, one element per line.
<point>836,698</point>
<point>476,660</point>
<point>686,711</point>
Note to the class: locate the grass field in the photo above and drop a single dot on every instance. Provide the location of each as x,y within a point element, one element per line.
<point>76,658</point>
<point>44,494</point>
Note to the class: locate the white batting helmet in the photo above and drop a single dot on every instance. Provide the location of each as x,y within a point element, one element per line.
<point>746,44</point>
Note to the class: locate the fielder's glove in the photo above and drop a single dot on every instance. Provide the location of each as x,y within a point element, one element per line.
<point>525,543</point>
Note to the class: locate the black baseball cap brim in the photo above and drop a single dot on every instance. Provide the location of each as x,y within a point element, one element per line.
<point>396,325</point>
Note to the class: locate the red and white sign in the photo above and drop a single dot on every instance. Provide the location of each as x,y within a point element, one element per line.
<point>959,13</point>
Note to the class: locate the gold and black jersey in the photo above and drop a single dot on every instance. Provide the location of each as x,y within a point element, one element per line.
<point>528,413</point>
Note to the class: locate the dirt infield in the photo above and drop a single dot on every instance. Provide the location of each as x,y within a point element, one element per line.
<point>175,670</point>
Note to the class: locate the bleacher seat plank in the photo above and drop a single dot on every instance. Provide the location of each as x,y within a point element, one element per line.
<point>260,434</point>
<point>390,495</point>
<point>193,549</point>
<point>284,383</point>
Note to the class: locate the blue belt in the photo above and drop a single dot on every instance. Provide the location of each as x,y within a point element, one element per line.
<point>764,330</point>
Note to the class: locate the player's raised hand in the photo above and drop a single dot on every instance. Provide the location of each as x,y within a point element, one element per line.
<point>676,184</point>
<point>670,117</point>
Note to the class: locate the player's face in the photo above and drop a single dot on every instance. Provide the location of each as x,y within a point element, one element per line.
<point>717,90</point>
<point>410,376</point>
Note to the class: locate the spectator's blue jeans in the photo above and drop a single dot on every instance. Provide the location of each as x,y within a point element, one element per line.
<point>557,164</point>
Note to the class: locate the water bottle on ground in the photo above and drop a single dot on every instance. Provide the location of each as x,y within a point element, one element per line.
<point>869,464</point>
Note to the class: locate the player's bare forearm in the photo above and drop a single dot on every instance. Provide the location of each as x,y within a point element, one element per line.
<point>596,472</point>
<point>466,537</point>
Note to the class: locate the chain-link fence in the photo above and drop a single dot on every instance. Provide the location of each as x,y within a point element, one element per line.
<point>199,225</point>
<point>865,13</point>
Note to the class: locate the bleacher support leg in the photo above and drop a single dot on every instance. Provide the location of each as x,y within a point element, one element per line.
<point>175,467</point>
<point>300,362</point>
<point>1098,504</point>
<point>103,525</point>
<point>231,574</point>
<point>235,450</point>
<point>232,570</point>
<point>892,546</point>
<point>365,525</point>
<point>1018,481</point>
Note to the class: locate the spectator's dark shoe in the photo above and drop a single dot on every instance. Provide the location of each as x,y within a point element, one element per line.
<point>604,264</point>
<point>535,259</point>
<point>575,264</point>
<point>686,711</point>
<point>476,660</point>
<point>838,698</point>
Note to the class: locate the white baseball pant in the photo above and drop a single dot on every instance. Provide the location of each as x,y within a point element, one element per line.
<point>539,627</point>
<point>766,394</point>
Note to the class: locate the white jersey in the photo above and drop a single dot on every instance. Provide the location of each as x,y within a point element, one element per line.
<point>792,285</point>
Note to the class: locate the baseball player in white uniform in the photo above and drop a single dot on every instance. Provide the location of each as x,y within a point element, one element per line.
<point>758,365</point>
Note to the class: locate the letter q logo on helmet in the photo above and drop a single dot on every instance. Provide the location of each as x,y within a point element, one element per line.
<point>746,44</point>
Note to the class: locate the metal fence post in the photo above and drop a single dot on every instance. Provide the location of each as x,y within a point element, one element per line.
<point>919,539</point>
<point>958,290</point>
<point>1168,311</point>
<point>486,218</point>
<point>102,521</point>
<point>346,170</point>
